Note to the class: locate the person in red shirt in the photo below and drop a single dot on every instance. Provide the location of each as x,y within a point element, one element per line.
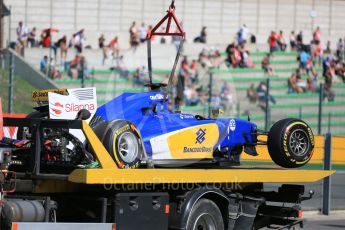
<point>317,35</point>
<point>272,42</point>
<point>46,39</point>
<point>112,47</point>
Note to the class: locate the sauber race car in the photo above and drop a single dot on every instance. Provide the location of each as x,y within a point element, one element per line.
<point>140,127</point>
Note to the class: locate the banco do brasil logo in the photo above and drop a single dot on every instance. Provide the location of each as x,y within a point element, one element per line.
<point>200,136</point>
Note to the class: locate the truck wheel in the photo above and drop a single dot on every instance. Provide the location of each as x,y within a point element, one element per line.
<point>205,215</point>
<point>122,140</point>
<point>290,143</point>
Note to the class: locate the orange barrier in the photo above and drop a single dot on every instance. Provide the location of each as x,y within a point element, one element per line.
<point>338,151</point>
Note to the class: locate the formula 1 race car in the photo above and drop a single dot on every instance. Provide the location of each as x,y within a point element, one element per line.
<point>139,127</point>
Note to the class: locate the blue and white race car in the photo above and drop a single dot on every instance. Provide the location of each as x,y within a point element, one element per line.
<point>139,128</point>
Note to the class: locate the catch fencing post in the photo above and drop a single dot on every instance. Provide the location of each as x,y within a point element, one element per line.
<point>320,109</point>
<point>327,165</point>
<point>210,94</point>
<point>10,83</point>
<point>267,106</point>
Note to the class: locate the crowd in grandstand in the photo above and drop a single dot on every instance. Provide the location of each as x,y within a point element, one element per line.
<point>305,78</point>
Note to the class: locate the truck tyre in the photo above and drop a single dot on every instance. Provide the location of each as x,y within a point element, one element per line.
<point>205,215</point>
<point>290,143</point>
<point>123,142</point>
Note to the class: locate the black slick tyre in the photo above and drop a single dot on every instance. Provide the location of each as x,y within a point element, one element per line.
<point>290,143</point>
<point>123,142</point>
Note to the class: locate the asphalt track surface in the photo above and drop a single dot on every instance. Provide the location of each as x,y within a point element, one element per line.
<point>335,221</point>
<point>337,193</point>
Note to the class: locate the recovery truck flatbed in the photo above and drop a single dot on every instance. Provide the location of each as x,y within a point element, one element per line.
<point>145,198</point>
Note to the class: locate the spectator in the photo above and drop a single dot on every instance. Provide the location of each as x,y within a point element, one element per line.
<point>272,42</point>
<point>73,67</point>
<point>44,65</point>
<point>299,40</point>
<point>138,76</point>
<point>202,37</point>
<point>266,66</point>
<point>302,84</point>
<point>252,94</point>
<point>142,33</point>
<point>32,38</point>
<point>46,38</point>
<point>317,35</point>
<point>191,96</point>
<point>22,36</point>
<point>340,49</point>
<point>303,59</point>
<point>226,97</point>
<point>62,45</point>
<point>261,92</point>
<point>242,35</point>
<point>312,82</point>
<point>332,69</point>
<point>340,70</point>
<point>133,36</point>
<point>328,91</point>
<point>193,72</point>
<point>53,72</point>
<point>281,41</point>
<point>101,41</point>
<point>292,84</point>
<point>78,68</point>
<point>247,60</point>
<point>316,53</point>
<point>112,48</point>
<point>78,41</point>
<point>293,41</point>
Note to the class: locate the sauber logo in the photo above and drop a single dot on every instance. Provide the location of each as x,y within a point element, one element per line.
<point>200,136</point>
<point>57,109</point>
<point>157,97</point>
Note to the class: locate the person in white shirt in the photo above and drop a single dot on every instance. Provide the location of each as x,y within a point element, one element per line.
<point>22,36</point>
<point>142,33</point>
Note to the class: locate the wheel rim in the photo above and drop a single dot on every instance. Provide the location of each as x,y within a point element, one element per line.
<point>128,147</point>
<point>205,222</point>
<point>298,142</point>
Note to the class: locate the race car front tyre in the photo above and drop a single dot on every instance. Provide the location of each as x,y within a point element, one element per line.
<point>205,215</point>
<point>290,143</point>
<point>123,142</point>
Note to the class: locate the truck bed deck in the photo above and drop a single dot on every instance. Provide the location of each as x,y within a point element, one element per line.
<point>156,176</point>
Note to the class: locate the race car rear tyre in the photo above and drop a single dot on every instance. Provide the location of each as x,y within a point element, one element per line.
<point>23,132</point>
<point>123,142</point>
<point>290,143</point>
<point>205,215</point>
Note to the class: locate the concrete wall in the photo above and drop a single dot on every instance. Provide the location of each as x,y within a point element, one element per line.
<point>222,17</point>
